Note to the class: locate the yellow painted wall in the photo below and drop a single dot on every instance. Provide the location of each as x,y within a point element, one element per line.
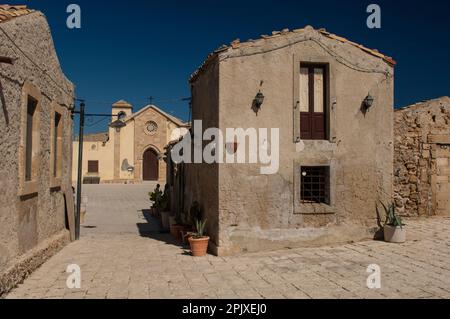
<point>127,149</point>
<point>134,141</point>
<point>95,151</point>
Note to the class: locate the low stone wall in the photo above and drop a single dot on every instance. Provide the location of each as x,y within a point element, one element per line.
<point>26,264</point>
<point>422,144</point>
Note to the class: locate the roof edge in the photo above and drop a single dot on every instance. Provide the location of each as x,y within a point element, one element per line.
<point>421,102</point>
<point>275,34</point>
<point>170,117</point>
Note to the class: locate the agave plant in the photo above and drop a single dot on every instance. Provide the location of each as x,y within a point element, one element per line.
<point>392,219</point>
<point>200,226</point>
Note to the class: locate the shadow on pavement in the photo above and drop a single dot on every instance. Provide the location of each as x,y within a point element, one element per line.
<point>152,229</point>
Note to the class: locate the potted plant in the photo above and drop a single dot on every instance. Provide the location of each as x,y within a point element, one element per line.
<point>179,227</point>
<point>394,230</point>
<point>155,197</point>
<point>198,241</point>
<point>164,208</point>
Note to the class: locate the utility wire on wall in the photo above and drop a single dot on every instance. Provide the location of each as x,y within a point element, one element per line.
<point>35,64</point>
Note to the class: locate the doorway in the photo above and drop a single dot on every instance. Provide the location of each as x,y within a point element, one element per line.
<point>150,166</point>
<point>443,182</point>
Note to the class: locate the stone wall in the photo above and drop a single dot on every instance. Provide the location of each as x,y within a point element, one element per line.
<point>32,219</point>
<point>202,181</point>
<point>143,141</point>
<point>422,157</point>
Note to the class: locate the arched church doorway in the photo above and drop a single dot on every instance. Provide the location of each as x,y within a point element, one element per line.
<point>150,166</point>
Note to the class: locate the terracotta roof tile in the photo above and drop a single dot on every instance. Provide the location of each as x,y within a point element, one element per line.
<point>367,50</point>
<point>8,12</point>
<point>236,44</point>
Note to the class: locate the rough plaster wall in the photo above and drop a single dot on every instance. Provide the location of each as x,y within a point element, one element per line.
<point>415,161</point>
<point>28,221</point>
<point>202,179</point>
<point>255,210</point>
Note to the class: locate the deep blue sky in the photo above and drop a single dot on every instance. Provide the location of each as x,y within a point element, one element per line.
<point>136,49</point>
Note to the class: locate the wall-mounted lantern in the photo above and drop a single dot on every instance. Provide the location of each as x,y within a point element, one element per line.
<point>368,101</point>
<point>259,99</point>
<point>258,102</point>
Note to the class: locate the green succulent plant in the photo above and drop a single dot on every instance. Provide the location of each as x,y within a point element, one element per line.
<point>200,226</point>
<point>392,219</point>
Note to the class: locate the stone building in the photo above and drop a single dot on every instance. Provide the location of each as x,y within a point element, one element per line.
<point>132,149</point>
<point>332,101</point>
<point>422,158</point>
<point>36,198</point>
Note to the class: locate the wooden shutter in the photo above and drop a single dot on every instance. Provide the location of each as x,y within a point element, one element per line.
<point>31,109</point>
<point>92,166</point>
<point>313,119</point>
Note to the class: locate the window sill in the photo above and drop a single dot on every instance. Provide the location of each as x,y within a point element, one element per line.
<point>311,209</point>
<point>55,184</point>
<point>28,188</point>
<point>326,141</point>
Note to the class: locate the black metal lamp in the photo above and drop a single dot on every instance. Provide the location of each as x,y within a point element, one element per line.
<point>368,101</point>
<point>259,100</point>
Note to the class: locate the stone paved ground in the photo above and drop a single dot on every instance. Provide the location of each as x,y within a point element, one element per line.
<point>117,209</point>
<point>123,258</point>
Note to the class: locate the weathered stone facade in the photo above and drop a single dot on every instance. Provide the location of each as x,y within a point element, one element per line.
<point>119,153</point>
<point>422,158</point>
<point>249,211</point>
<point>35,146</point>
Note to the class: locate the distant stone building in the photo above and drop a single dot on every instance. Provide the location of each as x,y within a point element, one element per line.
<point>36,198</point>
<point>332,101</point>
<point>133,148</point>
<point>422,158</point>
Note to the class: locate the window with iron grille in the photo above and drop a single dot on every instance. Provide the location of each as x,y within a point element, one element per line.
<point>315,184</point>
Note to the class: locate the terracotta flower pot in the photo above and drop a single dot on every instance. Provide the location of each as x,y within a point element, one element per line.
<point>394,234</point>
<point>199,246</point>
<point>165,220</point>
<point>176,229</point>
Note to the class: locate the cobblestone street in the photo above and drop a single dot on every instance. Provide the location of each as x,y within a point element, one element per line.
<point>122,255</point>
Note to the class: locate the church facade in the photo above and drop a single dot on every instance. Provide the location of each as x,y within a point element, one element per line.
<point>132,150</point>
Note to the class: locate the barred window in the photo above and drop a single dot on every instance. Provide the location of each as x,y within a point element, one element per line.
<point>315,184</point>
